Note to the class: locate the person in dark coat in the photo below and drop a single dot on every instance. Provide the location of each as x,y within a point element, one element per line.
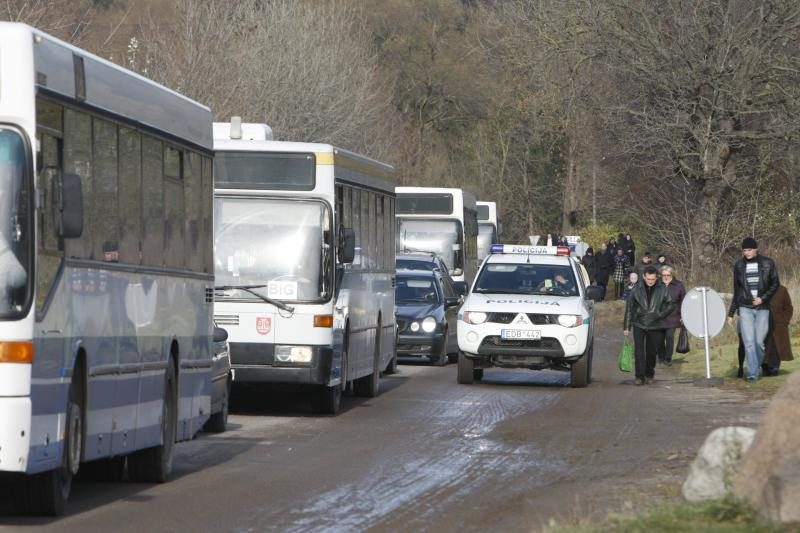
<point>603,266</point>
<point>673,321</point>
<point>755,280</point>
<point>647,261</point>
<point>779,345</point>
<point>645,310</point>
<point>621,270</point>
<point>630,249</point>
<point>588,262</point>
<point>612,246</point>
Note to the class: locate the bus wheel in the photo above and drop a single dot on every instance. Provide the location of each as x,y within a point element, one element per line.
<point>328,400</point>
<point>47,493</point>
<point>154,465</point>
<point>369,385</point>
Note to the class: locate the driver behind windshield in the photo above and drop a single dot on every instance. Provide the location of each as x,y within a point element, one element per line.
<point>560,283</point>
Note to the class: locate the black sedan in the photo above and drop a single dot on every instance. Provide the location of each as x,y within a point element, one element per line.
<point>220,383</point>
<point>426,316</point>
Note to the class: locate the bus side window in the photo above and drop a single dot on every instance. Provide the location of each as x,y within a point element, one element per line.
<point>78,160</point>
<point>130,196</point>
<point>153,202</point>
<point>105,208</point>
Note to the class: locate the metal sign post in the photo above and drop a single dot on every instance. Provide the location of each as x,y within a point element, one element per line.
<point>703,314</point>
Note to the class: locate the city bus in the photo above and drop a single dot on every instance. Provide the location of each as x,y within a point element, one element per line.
<point>488,228</point>
<point>443,221</point>
<point>106,284</point>
<point>304,264</point>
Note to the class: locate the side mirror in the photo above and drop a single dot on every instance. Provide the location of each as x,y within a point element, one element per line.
<point>69,206</point>
<point>452,302</point>
<point>594,292</point>
<point>461,287</point>
<point>220,334</point>
<point>347,245</point>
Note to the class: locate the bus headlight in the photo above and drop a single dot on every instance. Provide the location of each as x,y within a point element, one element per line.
<point>570,321</point>
<point>475,317</point>
<point>429,324</point>
<point>293,354</point>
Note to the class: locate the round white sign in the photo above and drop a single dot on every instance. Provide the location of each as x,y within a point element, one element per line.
<point>692,311</point>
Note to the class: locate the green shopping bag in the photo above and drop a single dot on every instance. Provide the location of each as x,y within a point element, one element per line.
<point>626,356</point>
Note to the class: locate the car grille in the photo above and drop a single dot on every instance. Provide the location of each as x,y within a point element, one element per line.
<point>535,318</point>
<point>495,341</point>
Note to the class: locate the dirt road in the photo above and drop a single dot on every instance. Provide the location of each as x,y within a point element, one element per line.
<point>507,454</point>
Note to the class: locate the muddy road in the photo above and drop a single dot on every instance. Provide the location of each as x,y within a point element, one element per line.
<point>508,454</point>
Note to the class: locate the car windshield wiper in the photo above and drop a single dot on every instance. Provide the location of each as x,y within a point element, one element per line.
<point>249,289</point>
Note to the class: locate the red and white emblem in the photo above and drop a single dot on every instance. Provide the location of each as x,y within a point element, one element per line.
<point>264,325</point>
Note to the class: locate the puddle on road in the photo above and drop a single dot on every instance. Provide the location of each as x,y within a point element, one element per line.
<point>448,461</point>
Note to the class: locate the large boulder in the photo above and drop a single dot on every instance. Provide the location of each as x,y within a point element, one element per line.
<point>712,471</point>
<point>769,477</point>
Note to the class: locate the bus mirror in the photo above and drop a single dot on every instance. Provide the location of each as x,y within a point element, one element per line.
<point>347,245</point>
<point>69,206</point>
<point>220,334</point>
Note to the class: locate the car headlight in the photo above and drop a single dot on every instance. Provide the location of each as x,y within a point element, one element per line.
<point>570,321</point>
<point>429,324</point>
<point>475,317</point>
<point>414,327</point>
<point>293,354</point>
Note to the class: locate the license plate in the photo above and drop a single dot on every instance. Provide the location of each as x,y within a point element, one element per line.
<point>528,334</point>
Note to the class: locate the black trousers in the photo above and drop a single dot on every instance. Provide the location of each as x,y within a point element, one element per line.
<point>668,346</point>
<point>619,289</point>
<point>646,344</point>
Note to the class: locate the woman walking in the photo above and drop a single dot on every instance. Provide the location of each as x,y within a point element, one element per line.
<point>673,321</point>
<point>621,269</point>
<point>589,262</point>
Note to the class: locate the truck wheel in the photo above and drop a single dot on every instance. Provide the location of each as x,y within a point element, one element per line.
<point>466,369</point>
<point>579,373</point>
<point>154,465</point>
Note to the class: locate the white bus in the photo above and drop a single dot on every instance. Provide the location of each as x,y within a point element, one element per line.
<point>443,221</point>
<point>304,262</point>
<point>106,284</point>
<point>488,228</point>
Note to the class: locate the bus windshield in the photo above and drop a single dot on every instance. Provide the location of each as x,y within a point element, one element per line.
<point>487,235</point>
<point>15,255</point>
<point>280,244</point>
<point>432,235</point>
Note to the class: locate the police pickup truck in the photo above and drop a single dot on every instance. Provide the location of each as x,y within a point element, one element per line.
<point>529,307</point>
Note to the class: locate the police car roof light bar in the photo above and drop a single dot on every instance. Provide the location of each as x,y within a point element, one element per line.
<point>529,250</point>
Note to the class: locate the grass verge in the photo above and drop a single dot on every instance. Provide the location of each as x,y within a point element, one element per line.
<point>722,516</point>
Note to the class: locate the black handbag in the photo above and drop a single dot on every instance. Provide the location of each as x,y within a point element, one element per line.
<point>683,341</point>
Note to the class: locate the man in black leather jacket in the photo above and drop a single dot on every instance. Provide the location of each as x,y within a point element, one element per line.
<point>755,280</point>
<point>645,310</point>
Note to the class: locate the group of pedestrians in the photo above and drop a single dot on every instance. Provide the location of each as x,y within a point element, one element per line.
<point>652,313</point>
<point>613,262</point>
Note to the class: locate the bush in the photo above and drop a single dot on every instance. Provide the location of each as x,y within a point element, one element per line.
<point>597,234</point>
